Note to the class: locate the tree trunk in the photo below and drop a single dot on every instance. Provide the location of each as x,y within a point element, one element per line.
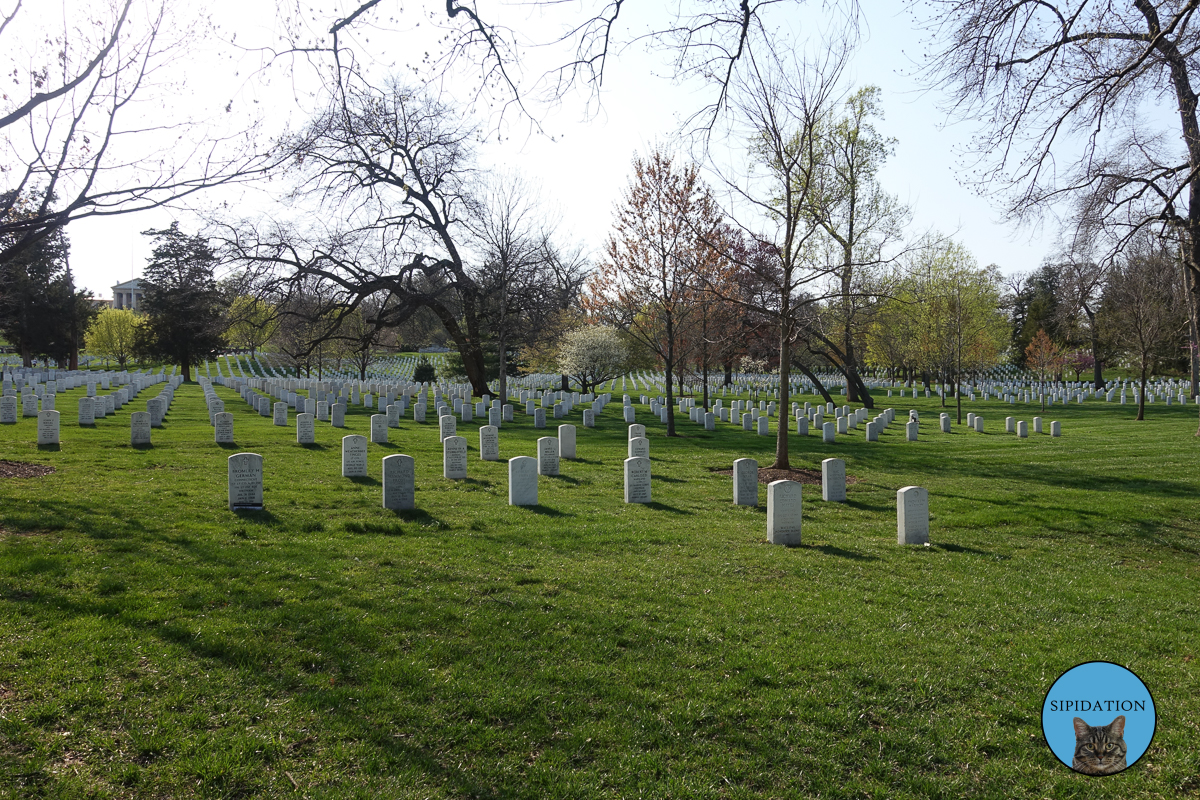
<point>781,439</point>
<point>1141,415</point>
<point>816,382</point>
<point>728,372</point>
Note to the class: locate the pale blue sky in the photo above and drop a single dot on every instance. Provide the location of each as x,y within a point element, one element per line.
<point>584,171</point>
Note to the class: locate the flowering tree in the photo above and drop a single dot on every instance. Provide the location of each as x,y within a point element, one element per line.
<point>592,355</point>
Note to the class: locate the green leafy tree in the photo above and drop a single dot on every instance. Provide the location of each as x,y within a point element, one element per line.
<point>250,323</point>
<point>184,313</point>
<point>113,334</point>
<point>592,355</point>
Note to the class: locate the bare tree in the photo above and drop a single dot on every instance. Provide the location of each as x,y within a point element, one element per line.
<point>780,107</point>
<point>74,130</point>
<point>1062,88</point>
<point>1144,294</point>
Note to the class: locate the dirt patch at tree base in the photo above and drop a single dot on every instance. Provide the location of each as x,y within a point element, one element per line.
<point>766,475</point>
<point>22,469</point>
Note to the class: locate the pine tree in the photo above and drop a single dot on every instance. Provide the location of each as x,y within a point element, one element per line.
<point>183,305</point>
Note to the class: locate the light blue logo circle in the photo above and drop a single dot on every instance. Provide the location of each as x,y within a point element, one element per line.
<point>1098,693</point>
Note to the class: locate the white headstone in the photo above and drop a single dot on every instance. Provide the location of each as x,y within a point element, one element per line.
<point>764,430</point>
<point>223,428</point>
<point>783,513</point>
<point>47,430</point>
<point>639,447</point>
<point>8,410</point>
<point>354,456</point>
<point>139,428</point>
<point>1022,429</point>
<point>281,410</point>
<point>87,412</point>
<point>547,456</point>
<point>589,418</point>
<point>489,443</point>
<point>912,515</point>
<point>829,433</point>
<point>911,429</point>
<point>522,481</point>
<point>454,457</point>
<point>539,418</point>
<point>306,429</point>
<point>637,480</point>
<point>379,429</point>
<point>399,481</point>
<point>1056,428</point>
<point>637,430</point>
<point>447,426</point>
<point>566,441</point>
<point>245,481</point>
<point>833,480</point>
<point>745,482</point>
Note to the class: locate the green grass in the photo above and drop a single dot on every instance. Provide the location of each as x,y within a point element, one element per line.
<point>153,644</point>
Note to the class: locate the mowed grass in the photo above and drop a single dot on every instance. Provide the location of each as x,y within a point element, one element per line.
<point>154,644</point>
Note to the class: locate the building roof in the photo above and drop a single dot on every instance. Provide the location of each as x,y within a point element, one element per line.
<point>130,285</point>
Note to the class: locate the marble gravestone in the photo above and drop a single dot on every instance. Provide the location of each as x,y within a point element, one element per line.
<point>547,456</point>
<point>489,443</point>
<point>47,428</point>
<point>245,481</point>
<point>8,410</point>
<point>637,431</point>
<point>306,429</point>
<point>566,441</point>
<point>783,513</point>
<point>745,482</point>
<point>454,457</point>
<point>833,480</point>
<point>337,415</point>
<point>379,429</point>
<point>447,426</point>
<point>87,412</point>
<point>637,480</point>
<point>522,481</point>
<point>280,418</point>
<point>912,515</point>
<point>223,427</point>
<point>399,482</point>
<point>354,456</point>
<point>639,448</point>
<point>139,428</point>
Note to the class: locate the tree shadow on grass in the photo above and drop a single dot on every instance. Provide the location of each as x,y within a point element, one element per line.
<point>859,504</point>
<point>657,506</point>
<point>958,548</point>
<point>364,480</point>
<point>315,446</point>
<point>562,479</point>
<point>227,445</point>
<point>830,550</point>
<point>546,511</point>
<point>49,448</point>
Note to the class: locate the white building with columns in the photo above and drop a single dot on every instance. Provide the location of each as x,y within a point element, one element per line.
<point>128,295</point>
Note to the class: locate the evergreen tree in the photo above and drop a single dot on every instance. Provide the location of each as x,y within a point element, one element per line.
<point>41,312</point>
<point>183,305</point>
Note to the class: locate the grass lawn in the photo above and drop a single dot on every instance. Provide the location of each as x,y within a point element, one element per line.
<point>154,644</point>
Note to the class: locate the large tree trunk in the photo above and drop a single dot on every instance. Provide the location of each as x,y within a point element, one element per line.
<point>1141,415</point>
<point>816,382</point>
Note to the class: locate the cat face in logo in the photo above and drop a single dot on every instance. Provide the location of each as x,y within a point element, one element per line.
<point>1100,749</point>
